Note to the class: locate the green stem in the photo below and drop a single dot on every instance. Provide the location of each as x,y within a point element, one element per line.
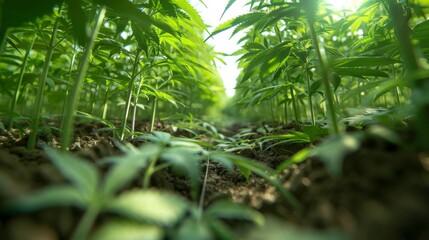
<point>136,101</point>
<point>3,41</point>
<point>154,106</point>
<point>130,95</point>
<point>42,82</point>
<point>105,102</point>
<point>74,96</point>
<point>420,93</point>
<point>21,77</point>
<point>150,170</point>
<point>310,100</point>
<point>84,226</point>
<point>66,95</point>
<point>323,66</point>
<point>295,106</point>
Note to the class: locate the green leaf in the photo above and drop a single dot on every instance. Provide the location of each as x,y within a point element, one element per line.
<point>127,9</point>
<point>315,132</point>
<point>221,230</point>
<point>193,229</point>
<point>222,158</point>
<point>79,21</point>
<point>363,62</point>
<point>127,230</point>
<point>228,5</point>
<point>228,210</point>
<point>157,137</point>
<point>247,19</point>
<point>298,157</point>
<point>185,161</point>
<point>22,11</point>
<point>359,72</point>
<point>150,206</point>
<point>80,173</point>
<point>193,14</point>
<point>49,197</point>
<point>125,170</point>
<point>291,137</point>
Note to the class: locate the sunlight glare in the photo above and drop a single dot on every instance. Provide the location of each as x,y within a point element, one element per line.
<point>341,5</point>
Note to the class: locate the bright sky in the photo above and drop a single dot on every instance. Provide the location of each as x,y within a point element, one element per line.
<point>222,42</point>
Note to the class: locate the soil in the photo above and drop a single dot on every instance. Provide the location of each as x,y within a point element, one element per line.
<point>383,192</point>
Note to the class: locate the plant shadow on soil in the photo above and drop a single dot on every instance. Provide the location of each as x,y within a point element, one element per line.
<point>383,192</point>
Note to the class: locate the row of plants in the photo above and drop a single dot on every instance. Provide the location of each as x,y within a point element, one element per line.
<point>143,212</point>
<point>303,61</point>
<point>105,60</point>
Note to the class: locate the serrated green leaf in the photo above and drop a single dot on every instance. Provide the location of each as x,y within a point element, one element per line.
<point>359,72</point>
<point>127,230</point>
<point>157,137</point>
<point>315,132</point>
<point>363,62</point>
<point>49,197</point>
<point>228,210</point>
<point>193,229</point>
<point>222,158</point>
<point>228,5</point>
<point>186,161</point>
<point>248,19</point>
<point>150,206</point>
<point>127,9</point>
<point>80,173</point>
<point>193,14</point>
<point>298,157</point>
<point>221,230</point>
<point>123,172</point>
<point>79,21</point>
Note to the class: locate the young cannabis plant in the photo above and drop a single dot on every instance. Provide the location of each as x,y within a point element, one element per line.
<point>89,191</point>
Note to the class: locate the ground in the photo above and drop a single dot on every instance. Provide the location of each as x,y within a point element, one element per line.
<point>382,193</point>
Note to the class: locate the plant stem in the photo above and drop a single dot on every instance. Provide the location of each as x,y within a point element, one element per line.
<point>66,95</point>
<point>295,106</point>
<point>311,12</point>
<point>420,85</point>
<point>74,97</point>
<point>105,103</point>
<point>21,77</point>
<point>42,82</point>
<point>203,190</point>
<point>85,224</point>
<point>310,100</point>
<point>136,101</point>
<point>3,41</point>
<point>150,170</point>
<point>130,94</point>
<point>154,106</point>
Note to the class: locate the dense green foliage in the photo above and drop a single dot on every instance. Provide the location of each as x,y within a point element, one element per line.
<point>124,61</point>
<point>146,56</point>
<point>284,67</point>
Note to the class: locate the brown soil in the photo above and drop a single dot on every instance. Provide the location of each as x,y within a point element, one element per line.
<point>383,192</point>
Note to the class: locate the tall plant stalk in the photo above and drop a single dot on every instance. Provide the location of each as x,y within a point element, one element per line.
<point>130,94</point>
<point>408,52</point>
<point>20,78</point>
<point>310,100</point>
<point>154,106</point>
<point>136,101</point>
<point>311,8</point>
<point>74,96</point>
<point>66,95</point>
<point>42,82</point>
